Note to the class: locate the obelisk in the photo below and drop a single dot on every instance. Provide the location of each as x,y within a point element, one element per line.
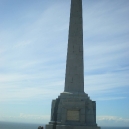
<point>74,79</point>
<point>73,109</point>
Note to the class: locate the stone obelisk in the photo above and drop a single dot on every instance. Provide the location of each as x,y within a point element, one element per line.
<point>74,79</point>
<point>73,109</point>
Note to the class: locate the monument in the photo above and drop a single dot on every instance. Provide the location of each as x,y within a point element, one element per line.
<point>73,109</point>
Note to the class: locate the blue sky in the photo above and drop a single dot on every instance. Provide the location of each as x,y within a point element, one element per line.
<point>33,48</point>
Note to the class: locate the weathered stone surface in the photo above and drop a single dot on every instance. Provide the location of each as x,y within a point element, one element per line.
<point>83,110</point>
<point>50,126</point>
<point>74,79</point>
<point>73,115</point>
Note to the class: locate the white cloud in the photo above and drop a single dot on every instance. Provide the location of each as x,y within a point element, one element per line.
<point>35,117</point>
<point>104,18</point>
<point>26,118</point>
<point>112,118</point>
<point>22,44</point>
<point>14,89</point>
<point>110,98</point>
<point>106,81</point>
<point>112,121</point>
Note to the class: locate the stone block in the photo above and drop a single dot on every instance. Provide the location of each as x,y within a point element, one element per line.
<point>85,127</point>
<point>82,118</point>
<point>49,126</point>
<point>76,127</point>
<point>63,117</point>
<point>82,111</point>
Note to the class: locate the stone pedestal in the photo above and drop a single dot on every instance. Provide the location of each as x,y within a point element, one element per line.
<point>73,111</point>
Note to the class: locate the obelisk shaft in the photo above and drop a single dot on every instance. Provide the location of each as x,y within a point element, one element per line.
<point>74,78</point>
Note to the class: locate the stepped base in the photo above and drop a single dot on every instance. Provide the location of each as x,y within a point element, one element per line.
<point>70,127</point>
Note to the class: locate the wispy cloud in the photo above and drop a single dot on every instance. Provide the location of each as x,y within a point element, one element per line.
<point>112,121</point>
<point>111,98</point>
<point>26,118</point>
<point>112,118</point>
<point>37,117</point>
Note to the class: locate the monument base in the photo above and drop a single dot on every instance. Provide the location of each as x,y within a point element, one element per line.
<point>73,111</point>
<point>70,127</point>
